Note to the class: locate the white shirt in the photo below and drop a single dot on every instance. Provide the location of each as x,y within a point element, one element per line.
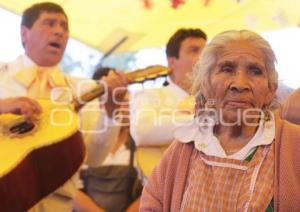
<point>206,142</point>
<point>100,144</point>
<point>100,132</point>
<point>155,113</point>
<point>120,157</point>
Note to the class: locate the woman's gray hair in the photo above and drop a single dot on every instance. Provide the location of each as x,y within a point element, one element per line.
<point>211,52</point>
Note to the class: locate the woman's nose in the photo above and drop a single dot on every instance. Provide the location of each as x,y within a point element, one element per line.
<point>240,82</point>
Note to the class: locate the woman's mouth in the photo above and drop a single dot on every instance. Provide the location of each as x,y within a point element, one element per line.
<point>239,104</point>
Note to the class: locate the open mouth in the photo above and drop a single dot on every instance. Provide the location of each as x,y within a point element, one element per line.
<point>55,45</point>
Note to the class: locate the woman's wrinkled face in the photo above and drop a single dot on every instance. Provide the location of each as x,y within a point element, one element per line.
<point>239,81</point>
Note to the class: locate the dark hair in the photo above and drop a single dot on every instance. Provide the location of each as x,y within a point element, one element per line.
<point>101,72</point>
<point>173,45</point>
<point>32,13</point>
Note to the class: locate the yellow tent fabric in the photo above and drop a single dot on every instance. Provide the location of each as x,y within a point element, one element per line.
<point>102,23</point>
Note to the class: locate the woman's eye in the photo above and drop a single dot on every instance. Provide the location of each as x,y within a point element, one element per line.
<point>227,69</point>
<point>255,71</point>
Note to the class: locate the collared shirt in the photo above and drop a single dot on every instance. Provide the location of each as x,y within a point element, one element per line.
<point>18,77</point>
<point>206,142</point>
<point>14,82</point>
<point>155,113</point>
<point>174,88</point>
<point>92,119</point>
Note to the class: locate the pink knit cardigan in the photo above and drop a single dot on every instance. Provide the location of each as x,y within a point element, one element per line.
<point>164,190</point>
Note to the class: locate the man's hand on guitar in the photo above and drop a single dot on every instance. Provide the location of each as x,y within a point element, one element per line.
<point>21,106</point>
<point>117,88</point>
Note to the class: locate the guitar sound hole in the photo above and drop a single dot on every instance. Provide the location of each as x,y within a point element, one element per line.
<point>22,127</point>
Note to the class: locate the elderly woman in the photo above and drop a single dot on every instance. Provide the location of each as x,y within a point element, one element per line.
<point>236,155</point>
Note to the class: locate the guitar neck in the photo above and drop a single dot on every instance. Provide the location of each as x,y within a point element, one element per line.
<point>95,92</point>
<point>139,75</point>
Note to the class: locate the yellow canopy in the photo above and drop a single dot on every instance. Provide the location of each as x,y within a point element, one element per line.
<point>103,23</point>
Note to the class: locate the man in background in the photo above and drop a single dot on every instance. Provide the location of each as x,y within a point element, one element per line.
<point>153,110</point>
<point>155,113</point>
<point>36,74</point>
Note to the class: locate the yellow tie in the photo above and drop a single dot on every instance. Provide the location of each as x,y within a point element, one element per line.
<point>39,81</point>
<point>39,88</point>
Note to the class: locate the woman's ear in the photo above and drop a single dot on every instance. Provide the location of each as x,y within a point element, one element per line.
<point>200,102</point>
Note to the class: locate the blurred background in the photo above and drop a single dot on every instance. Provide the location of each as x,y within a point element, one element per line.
<point>131,34</point>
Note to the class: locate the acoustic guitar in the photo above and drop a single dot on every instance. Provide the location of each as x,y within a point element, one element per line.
<point>38,157</point>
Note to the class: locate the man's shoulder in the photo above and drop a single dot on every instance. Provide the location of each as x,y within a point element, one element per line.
<point>5,68</point>
<point>151,93</point>
<point>11,66</point>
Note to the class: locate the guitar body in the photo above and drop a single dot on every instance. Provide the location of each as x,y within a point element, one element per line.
<point>35,164</point>
<point>40,173</point>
